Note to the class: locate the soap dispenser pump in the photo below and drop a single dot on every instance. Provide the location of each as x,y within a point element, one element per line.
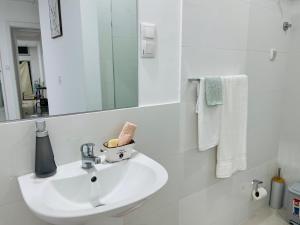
<point>44,159</point>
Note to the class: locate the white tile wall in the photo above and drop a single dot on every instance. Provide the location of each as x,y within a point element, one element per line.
<point>215,24</point>
<point>265,25</point>
<point>226,201</point>
<point>224,38</point>
<point>289,155</point>
<point>159,77</point>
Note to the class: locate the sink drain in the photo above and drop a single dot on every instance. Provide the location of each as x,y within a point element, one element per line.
<point>100,204</point>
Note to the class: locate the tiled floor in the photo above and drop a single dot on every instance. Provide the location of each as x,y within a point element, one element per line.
<point>266,217</point>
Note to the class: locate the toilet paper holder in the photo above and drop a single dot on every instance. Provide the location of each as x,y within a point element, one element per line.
<point>256,184</point>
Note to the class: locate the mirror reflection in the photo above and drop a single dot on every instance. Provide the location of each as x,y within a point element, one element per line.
<point>67,56</point>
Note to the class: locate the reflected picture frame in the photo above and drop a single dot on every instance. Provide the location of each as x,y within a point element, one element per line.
<point>55,18</point>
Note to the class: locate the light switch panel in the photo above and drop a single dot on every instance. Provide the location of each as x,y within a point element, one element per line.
<point>148,31</point>
<point>148,48</point>
<point>148,40</point>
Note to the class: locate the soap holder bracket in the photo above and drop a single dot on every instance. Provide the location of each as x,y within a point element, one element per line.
<point>256,184</point>
<point>119,153</point>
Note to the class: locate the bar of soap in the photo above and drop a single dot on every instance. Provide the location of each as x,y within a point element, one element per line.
<point>127,133</point>
<point>112,143</point>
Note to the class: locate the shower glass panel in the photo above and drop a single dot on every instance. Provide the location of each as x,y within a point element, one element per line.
<point>119,53</point>
<point>2,109</point>
<point>125,52</point>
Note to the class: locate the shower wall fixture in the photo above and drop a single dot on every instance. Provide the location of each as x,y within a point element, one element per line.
<point>286,26</point>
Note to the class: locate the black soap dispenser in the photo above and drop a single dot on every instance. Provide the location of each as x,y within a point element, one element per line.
<point>44,159</point>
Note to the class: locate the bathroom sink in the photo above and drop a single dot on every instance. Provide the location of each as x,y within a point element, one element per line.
<point>75,196</point>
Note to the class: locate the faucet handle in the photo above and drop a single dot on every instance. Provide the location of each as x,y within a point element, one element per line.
<point>87,150</point>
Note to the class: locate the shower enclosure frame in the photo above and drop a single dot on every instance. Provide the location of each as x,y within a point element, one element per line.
<point>2,89</point>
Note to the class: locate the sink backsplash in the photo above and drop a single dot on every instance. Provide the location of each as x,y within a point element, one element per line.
<point>68,133</point>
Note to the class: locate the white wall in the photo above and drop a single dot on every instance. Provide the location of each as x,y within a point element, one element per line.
<point>20,14</point>
<point>225,38</point>
<point>266,78</point>
<point>289,154</point>
<point>159,80</point>
<point>63,60</point>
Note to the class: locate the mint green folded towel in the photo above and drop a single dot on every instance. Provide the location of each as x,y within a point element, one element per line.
<point>213,91</point>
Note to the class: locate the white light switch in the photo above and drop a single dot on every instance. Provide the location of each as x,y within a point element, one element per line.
<point>148,40</point>
<point>148,31</point>
<point>148,48</point>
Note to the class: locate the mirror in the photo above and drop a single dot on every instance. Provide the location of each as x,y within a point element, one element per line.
<point>67,56</point>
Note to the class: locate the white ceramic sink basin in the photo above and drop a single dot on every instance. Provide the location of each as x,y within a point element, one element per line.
<point>70,196</point>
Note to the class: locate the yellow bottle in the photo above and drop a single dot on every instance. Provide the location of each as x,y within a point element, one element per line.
<point>277,191</point>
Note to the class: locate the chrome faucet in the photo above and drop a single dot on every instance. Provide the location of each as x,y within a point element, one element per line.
<point>87,155</point>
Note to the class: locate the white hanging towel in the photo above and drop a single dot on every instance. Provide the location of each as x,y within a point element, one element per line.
<point>208,120</point>
<point>232,147</point>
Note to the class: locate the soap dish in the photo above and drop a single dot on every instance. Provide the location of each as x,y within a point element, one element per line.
<point>119,153</point>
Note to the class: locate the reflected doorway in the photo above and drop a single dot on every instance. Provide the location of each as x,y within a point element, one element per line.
<point>30,76</point>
